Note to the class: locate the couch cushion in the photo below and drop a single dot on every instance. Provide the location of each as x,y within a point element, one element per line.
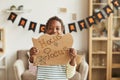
<point>27,75</point>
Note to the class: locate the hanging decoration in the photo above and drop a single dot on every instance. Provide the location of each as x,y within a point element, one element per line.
<point>116,4</point>
<point>82,24</point>
<point>32,26</point>
<point>99,15</point>
<point>22,22</point>
<point>72,27</point>
<point>12,17</point>
<point>90,20</point>
<point>42,28</point>
<point>108,10</point>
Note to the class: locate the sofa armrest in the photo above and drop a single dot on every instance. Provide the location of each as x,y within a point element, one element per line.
<point>18,69</point>
<point>83,69</point>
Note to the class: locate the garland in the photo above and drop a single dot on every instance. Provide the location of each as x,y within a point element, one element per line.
<point>83,24</point>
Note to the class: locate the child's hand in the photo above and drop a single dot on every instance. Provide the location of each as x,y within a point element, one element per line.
<point>34,51</point>
<point>31,59</point>
<point>73,53</point>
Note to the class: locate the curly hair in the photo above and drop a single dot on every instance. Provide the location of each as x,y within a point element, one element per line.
<point>57,19</point>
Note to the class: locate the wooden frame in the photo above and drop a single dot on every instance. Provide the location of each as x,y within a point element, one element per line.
<point>103,61</point>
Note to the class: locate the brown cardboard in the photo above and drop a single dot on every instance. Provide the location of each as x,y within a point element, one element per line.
<point>53,49</point>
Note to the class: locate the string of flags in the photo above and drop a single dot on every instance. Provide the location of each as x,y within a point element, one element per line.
<point>83,24</point>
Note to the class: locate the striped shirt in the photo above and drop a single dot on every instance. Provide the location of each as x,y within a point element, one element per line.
<point>55,72</point>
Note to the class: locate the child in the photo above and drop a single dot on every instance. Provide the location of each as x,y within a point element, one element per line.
<point>57,72</point>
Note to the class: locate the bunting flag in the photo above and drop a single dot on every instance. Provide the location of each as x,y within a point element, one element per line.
<point>22,22</point>
<point>108,10</point>
<point>116,4</point>
<point>12,17</point>
<point>82,24</point>
<point>99,16</point>
<point>72,27</point>
<point>32,26</point>
<point>42,28</point>
<point>91,20</point>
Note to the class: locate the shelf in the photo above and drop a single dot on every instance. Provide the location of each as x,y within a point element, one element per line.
<point>104,44</point>
<point>115,52</point>
<point>18,11</point>
<point>115,38</point>
<point>99,3</point>
<point>99,52</point>
<point>115,65</point>
<point>99,67</point>
<point>99,38</point>
<point>115,78</point>
<point>116,17</point>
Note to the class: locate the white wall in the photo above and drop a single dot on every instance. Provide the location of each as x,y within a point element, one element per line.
<point>19,38</point>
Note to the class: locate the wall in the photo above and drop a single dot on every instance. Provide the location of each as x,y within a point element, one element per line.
<point>20,38</point>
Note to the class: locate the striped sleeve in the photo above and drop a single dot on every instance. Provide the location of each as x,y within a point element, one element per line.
<point>70,70</point>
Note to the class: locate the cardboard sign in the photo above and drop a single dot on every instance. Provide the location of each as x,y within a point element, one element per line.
<point>53,49</point>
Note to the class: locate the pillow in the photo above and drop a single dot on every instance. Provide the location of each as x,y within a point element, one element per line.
<point>32,68</point>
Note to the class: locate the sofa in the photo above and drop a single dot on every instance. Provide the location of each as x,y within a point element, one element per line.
<point>21,68</point>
